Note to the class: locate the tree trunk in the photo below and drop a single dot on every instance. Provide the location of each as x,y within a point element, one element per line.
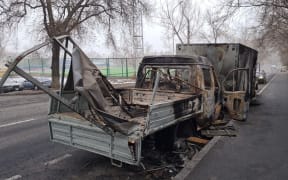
<point>188,31</point>
<point>55,66</point>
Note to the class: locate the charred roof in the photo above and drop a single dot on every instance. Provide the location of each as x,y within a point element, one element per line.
<point>242,46</point>
<point>175,60</point>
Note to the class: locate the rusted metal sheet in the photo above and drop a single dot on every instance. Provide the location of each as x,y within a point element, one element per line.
<point>197,140</point>
<point>227,130</point>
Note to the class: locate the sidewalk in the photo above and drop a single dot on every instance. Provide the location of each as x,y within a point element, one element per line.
<point>260,151</point>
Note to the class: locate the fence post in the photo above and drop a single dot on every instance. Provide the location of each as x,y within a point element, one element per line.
<point>126,68</point>
<point>122,67</point>
<point>29,68</point>
<point>108,67</point>
<point>42,64</point>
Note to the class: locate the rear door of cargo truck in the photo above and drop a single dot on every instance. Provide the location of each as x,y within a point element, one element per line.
<point>236,93</point>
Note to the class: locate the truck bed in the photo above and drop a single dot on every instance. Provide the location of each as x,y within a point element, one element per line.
<point>169,108</point>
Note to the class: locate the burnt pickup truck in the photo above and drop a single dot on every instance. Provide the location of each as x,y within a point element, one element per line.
<point>173,97</point>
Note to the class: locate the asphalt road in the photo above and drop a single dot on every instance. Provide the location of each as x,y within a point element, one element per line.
<point>260,149</point>
<point>27,153</point>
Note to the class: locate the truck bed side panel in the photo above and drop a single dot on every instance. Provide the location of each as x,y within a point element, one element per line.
<point>84,135</point>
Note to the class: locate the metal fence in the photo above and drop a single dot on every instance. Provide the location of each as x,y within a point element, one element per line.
<point>110,67</point>
<point>36,66</point>
<point>116,67</point>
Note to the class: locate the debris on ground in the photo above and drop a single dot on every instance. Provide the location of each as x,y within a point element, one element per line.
<point>198,140</point>
<point>220,122</point>
<point>167,163</point>
<point>159,164</point>
<point>223,130</point>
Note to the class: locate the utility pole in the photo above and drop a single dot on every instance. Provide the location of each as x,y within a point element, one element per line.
<point>138,39</point>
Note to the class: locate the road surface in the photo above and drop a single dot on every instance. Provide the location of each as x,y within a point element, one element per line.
<point>260,149</point>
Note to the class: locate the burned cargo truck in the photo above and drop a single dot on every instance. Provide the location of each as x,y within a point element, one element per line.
<point>173,97</point>
<point>235,66</point>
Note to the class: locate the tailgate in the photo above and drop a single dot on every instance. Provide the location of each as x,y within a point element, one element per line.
<point>84,135</point>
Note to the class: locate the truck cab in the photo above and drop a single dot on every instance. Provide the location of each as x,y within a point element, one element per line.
<point>183,74</point>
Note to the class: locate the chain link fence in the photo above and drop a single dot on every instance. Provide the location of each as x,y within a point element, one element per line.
<point>110,67</point>
<point>36,66</point>
<point>116,67</point>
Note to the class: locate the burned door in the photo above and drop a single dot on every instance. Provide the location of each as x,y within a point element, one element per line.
<point>208,93</point>
<point>236,93</point>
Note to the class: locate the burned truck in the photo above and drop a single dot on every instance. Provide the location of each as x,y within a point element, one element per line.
<point>173,98</point>
<point>235,66</point>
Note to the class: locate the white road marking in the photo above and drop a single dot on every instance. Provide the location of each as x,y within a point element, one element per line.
<point>18,122</point>
<point>54,161</point>
<point>14,177</point>
<point>261,91</point>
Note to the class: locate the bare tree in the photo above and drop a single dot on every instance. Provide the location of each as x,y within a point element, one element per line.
<point>62,17</point>
<point>272,23</point>
<point>2,43</point>
<point>182,18</point>
<point>1,46</point>
<point>215,26</point>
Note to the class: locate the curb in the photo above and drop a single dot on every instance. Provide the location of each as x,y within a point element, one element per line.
<point>22,93</point>
<point>190,166</point>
